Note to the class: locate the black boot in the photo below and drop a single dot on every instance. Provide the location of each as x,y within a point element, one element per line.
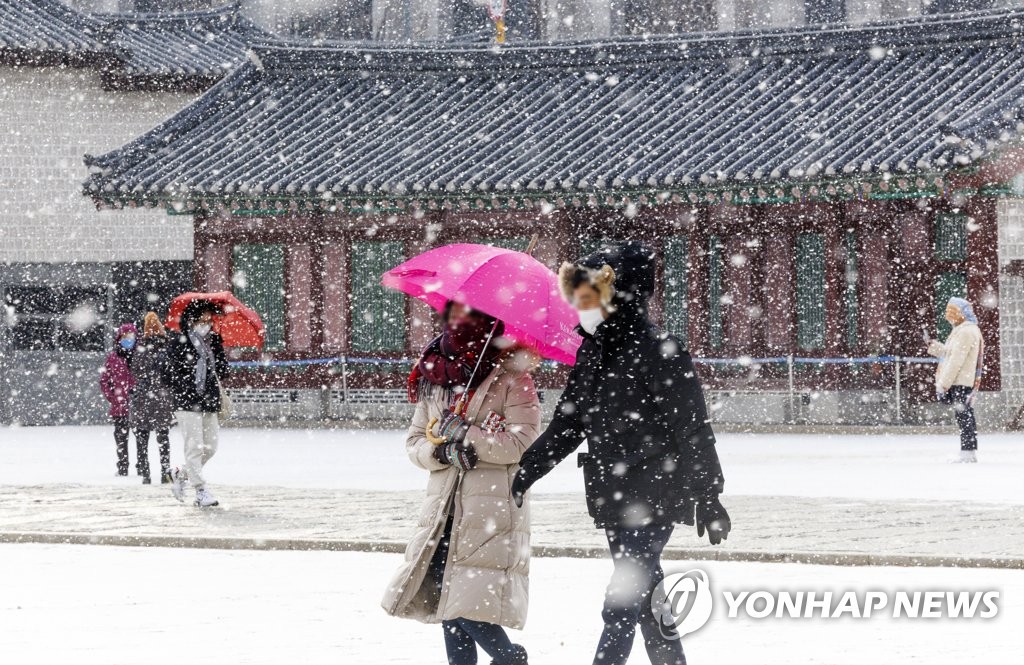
<point>165,477</point>
<point>142,448</point>
<point>518,657</point>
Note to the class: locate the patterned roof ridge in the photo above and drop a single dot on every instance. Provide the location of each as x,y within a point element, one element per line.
<point>185,45</point>
<point>298,123</point>
<point>900,35</point>
<point>47,30</point>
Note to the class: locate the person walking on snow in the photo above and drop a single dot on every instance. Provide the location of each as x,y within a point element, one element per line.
<point>958,375</point>
<point>635,397</point>
<point>116,382</point>
<point>195,367</point>
<point>151,407</point>
<point>467,565</point>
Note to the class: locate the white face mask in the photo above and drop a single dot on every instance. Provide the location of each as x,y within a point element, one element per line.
<point>202,329</point>
<point>590,319</point>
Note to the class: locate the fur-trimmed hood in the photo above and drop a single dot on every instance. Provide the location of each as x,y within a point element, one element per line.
<point>621,272</point>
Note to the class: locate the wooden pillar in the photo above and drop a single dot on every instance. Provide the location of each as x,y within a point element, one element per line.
<point>422,320</point>
<point>778,289</point>
<point>298,292</point>
<point>334,283</point>
<point>912,285</point>
<point>739,286</point>
<point>873,268</point>
<point>829,219</point>
<point>983,279</point>
<point>697,294</point>
<point>217,260</point>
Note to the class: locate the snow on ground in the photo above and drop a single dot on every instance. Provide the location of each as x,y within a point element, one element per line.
<point>108,606</point>
<point>855,466</point>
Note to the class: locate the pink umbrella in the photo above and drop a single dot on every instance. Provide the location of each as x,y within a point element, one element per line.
<point>506,284</point>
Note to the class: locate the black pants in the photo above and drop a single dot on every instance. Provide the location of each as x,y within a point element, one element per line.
<point>958,396</point>
<point>636,553</point>
<point>461,636</point>
<point>121,430</point>
<point>163,439</point>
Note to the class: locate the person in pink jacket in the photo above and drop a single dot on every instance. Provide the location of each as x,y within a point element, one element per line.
<point>116,382</point>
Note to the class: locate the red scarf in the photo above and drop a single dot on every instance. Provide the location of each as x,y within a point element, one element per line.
<point>449,359</point>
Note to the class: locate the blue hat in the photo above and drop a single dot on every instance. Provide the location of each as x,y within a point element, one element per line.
<point>965,308</point>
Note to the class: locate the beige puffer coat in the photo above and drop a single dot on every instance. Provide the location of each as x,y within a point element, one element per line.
<point>958,357</point>
<point>486,575</point>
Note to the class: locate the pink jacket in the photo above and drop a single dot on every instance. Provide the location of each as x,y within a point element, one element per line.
<point>116,380</point>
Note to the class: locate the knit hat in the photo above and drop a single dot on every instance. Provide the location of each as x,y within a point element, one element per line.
<point>965,308</point>
<point>151,326</point>
<point>124,331</point>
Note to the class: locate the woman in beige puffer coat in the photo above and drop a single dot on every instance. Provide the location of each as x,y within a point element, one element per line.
<point>959,372</point>
<point>467,565</point>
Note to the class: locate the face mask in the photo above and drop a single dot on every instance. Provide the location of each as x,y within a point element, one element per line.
<point>202,329</point>
<point>127,344</point>
<point>590,319</point>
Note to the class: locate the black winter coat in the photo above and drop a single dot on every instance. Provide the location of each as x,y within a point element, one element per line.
<point>635,397</point>
<point>151,405</point>
<point>181,373</point>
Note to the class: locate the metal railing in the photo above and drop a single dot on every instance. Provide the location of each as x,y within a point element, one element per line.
<point>791,362</point>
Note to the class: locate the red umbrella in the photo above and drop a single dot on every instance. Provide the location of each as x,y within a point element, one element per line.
<point>236,324</point>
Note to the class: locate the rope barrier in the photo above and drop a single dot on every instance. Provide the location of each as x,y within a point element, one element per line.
<point>344,360</point>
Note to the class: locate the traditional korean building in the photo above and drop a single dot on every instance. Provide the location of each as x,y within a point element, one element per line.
<point>70,83</point>
<point>811,192</point>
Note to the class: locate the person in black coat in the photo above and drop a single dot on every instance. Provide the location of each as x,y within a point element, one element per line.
<point>195,366</point>
<point>634,395</point>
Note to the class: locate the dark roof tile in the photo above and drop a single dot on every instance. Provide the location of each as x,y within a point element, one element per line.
<point>704,111</point>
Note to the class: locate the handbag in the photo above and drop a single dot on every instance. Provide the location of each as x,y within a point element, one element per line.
<point>225,401</point>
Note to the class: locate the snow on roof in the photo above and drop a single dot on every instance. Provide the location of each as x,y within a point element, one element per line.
<point>36,30</point>
<point>347,124</point>
<point>172,50</point>
<point>202,45</point>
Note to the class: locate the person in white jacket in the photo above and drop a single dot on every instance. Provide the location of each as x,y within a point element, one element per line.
<point>958,376</point>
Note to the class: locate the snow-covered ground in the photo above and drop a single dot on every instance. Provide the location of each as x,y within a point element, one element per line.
<point>108,606</point>
<point>853,466</point>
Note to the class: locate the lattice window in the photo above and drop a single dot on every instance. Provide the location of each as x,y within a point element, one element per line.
<point>810,291</point>
<point>716,274</point>
<point>377,314</point>
<point>950,237</point>
<point>677,280</point>
<point>258,281</point>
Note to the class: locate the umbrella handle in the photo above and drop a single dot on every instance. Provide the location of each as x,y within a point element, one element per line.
<point>436,440</point>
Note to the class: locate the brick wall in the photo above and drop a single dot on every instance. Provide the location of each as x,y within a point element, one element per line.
<point>1011,301</point>
<point>51,118</point>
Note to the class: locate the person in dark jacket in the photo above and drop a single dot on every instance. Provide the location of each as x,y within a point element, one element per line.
<point>196,364</point>
<point>151,408</point>
<point>635,397</point>
<point>116,382</point>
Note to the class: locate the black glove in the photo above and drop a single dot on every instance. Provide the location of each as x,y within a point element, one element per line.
<point>460,455</point>
<point>453,427</point>
<point>711,515</point>
<point>519,487</point>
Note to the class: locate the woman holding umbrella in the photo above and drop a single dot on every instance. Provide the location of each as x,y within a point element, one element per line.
<point>477,411</point>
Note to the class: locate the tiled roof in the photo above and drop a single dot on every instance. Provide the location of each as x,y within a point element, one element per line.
<point>191,49</point>
<point>201,45</point>
<point>343,125</point>
<point>46,29</point>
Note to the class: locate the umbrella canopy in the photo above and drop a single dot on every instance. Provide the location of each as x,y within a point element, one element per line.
<point>236,324</point>
<point>506,284</point>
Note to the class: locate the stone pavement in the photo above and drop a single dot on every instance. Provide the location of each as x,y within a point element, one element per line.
<point>790,529</point>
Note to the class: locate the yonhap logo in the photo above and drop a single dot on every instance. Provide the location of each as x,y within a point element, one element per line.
<point>682,603</point>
